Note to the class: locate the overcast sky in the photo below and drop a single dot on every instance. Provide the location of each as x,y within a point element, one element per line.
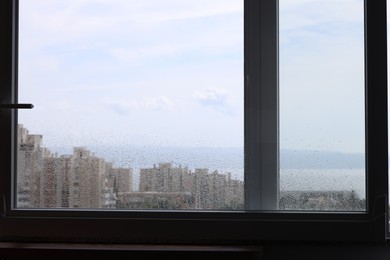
<point>171,72</point>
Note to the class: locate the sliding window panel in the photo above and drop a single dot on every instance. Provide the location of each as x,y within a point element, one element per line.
<point>322,105</point>
<point>138,105</point>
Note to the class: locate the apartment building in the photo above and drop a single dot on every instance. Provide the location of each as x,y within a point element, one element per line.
<point>208,190</point>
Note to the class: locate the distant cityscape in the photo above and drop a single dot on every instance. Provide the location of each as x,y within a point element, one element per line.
<point>84,180</point>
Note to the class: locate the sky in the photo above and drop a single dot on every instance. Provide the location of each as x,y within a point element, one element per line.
<point>170,73</point>
<point>322,75</point>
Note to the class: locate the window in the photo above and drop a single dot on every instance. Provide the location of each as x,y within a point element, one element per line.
<point>261,218</point>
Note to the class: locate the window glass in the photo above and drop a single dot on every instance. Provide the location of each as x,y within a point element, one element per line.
<point>322,129</point>
<point>138,104</point>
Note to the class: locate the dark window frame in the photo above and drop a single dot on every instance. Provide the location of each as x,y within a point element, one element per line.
<point>261,73</point>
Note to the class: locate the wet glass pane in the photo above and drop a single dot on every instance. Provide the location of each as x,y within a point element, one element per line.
<point>322,165</point>
<point>138,104</point>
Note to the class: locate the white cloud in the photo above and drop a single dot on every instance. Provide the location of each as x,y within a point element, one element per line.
<point>158,103</point>
<point>120,107</point>
<point>123,107</point>
<point>218,99</point>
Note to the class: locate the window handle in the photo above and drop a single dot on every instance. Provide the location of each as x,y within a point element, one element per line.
<point>16,106</point>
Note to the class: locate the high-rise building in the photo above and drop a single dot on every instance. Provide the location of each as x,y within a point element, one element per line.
<point>123,179</point>
<point>87,171</point>
<point>29,169</point>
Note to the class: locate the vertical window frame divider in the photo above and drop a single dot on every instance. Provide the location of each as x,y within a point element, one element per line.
<point>261,118</point>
